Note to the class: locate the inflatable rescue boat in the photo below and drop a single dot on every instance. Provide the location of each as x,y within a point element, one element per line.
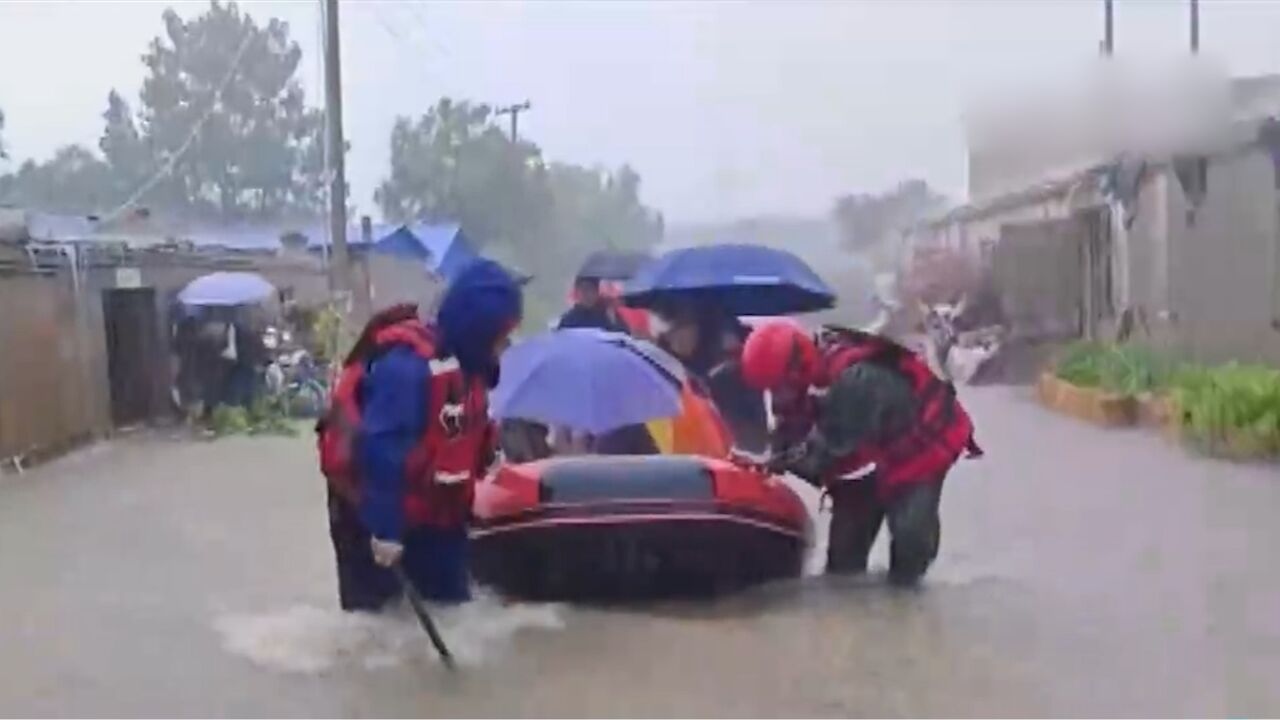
<point>602,527</point>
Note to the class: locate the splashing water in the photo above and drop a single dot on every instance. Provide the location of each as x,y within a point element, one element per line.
<point>311,640</point>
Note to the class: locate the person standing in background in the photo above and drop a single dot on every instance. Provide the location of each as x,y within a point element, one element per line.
<point>591,309</point>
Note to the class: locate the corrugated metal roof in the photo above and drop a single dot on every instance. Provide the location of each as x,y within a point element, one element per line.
<point>52,227</point>
<point>1007,201</point>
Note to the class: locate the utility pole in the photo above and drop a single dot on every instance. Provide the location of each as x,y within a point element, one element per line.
<point>1108,32</point>
<point>514,111</point>
<point>1195,27</point>
<point>340,269</point>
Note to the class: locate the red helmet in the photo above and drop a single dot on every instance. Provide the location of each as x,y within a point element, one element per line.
<point>779,353</point>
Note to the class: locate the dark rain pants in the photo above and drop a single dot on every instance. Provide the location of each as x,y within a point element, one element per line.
<point>915,530</point>
<point>435,560</point>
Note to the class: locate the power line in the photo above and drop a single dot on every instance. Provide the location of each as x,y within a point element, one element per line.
<point>390,30</point>
<point>398,40</point>
<point>191,136</point>
<point>426,31</point>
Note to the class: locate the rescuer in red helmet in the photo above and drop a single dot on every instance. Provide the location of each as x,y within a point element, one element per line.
<point>847,400</point>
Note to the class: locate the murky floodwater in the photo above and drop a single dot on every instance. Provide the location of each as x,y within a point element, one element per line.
<point>1082,572</point>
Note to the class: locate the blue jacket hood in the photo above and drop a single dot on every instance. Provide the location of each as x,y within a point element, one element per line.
<point>481,304</point>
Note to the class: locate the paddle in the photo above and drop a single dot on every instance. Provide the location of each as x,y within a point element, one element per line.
<point>420,609</point>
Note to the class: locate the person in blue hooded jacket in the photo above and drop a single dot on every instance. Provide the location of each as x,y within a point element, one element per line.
<point>424,437</point>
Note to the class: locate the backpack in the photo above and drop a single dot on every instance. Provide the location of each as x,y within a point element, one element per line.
<point>339,427</point>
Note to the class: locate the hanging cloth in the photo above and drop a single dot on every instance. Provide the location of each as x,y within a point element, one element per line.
<point>1193,175</point>
<point>1122,182</point>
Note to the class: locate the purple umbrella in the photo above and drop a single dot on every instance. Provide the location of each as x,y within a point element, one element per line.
<point>585,380</point>
<point>226,289</point>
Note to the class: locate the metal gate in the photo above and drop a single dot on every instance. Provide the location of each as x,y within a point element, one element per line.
<point>133,346</point>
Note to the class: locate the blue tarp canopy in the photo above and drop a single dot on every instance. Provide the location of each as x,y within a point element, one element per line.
<point>444,248</point>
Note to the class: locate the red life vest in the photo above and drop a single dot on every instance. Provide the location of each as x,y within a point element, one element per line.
<point>942,430</point>
<point>441,468</point>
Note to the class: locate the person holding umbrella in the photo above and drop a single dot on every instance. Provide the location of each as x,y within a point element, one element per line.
<point>226,349</point>
<point>406,435</point>
<point>592,306</point>
<point>877,407</point>
<point>591,309</point>
<point>598,388</point>
<point>742,406</point>
<point>701,292</point>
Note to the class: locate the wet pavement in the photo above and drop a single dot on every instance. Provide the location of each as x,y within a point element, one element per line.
<point>1083,572</point>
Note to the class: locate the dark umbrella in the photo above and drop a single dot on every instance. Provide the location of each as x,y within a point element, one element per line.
<point>743,280</point>
<point>612,265</point>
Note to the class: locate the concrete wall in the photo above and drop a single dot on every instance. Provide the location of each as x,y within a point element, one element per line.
<point>46,400</point>
<point>1208,289</point>
<point>1223,268</point>
<point>394,280</point>
<point>54,380</point>
<point>1039,274</point>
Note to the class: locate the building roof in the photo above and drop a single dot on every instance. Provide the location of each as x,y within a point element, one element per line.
<point>442,247</point>
<point>1038,192</point>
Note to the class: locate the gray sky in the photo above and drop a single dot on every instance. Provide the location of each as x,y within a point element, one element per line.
<point>726,109</point>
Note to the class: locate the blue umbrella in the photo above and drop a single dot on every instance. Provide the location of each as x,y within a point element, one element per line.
<point>226,288</point>
<point>586,380</point>
<point>741,279</point>
<point>655,355</point>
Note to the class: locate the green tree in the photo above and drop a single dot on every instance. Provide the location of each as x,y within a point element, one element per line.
<point>75,180</point>
<point>123,147</point>
<point>594,208</point>
<point>4,153</point>
<point>258,149</point>
<point>867,221</point>
<point>454,164</point>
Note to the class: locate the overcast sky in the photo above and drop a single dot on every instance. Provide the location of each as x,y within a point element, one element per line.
<point>726,109</point>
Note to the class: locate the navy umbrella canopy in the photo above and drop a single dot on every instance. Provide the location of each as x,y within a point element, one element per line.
<point>744,280</point>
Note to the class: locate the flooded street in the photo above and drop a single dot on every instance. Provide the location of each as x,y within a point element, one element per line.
<point>1083,572</point>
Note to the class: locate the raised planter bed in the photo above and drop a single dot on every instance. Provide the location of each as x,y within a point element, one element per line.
<point>1092,405</point>
<point>1155,411</point>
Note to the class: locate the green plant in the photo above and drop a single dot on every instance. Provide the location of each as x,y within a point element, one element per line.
<point>229,420</point>
<point>1231,408</point>
<point>270,416</point>
<point>324,333</point>
<point>1121,369</point>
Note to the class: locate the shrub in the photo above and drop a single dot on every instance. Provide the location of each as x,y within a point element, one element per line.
<point>1231,408</point>
<point>1121,369</point>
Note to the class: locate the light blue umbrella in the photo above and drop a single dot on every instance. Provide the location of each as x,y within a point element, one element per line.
<point>226,289</point>
<point>586,380</point>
